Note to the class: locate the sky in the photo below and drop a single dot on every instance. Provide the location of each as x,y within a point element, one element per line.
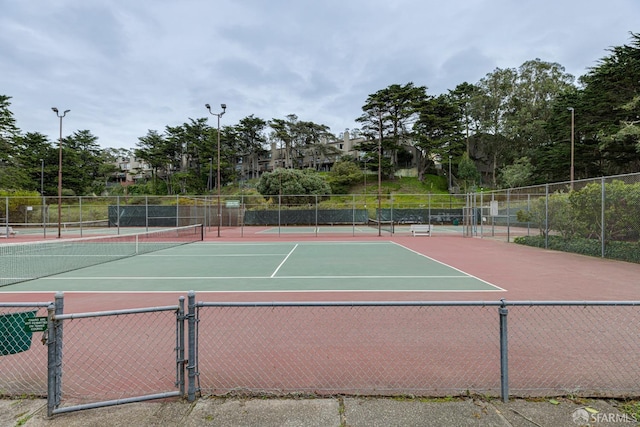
<point>124,67</point>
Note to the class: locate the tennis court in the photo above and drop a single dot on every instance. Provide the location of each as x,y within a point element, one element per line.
<point>335,266</point>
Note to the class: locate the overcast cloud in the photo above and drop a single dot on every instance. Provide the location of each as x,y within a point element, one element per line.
<point>126,66</point>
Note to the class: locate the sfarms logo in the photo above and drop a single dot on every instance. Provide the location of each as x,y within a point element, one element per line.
<point>588,416</point>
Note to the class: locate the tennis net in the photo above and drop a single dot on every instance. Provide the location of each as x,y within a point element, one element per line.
<point>20,262</point>
<point>387,226</point>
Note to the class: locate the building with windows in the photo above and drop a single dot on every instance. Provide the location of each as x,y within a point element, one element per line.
<point>131,169</point>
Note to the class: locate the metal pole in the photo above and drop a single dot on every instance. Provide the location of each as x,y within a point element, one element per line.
<point>192,365</point>
<point>55,110</point>
<point>218,179</point>
<point>224,107</point>
<point>571,175</point>
<point>180,346</point>
<point>44,200</point>
<point>59,327</point>
<point>80,214</point>
<point>504,356</point>
<point>51,361</point>
<point>546,216</point>
<point>602,219</point>
<point>379,172</point>
<point>508,215</point>
<point>450,174</point>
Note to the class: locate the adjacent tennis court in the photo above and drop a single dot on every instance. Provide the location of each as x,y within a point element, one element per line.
<point>267,266</point>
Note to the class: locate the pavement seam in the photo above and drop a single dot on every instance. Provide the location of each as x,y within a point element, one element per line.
<point>499,414</point>
<point>342,411</point>
<point>188,412</point>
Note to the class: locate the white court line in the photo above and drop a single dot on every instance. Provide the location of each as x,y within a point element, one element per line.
<point>278,291</point>
<point>284,260</point>
<point>152,255</point>
<point>450,266</point>
<point>466,276</point>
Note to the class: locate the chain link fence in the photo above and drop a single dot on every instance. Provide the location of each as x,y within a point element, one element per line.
<point>494,348</point>
<point>583,349</point>
<point>23,353</point>
<point>593,217</point>
<point>586,216</point>
<point>353,349</point>
<point>305,214</point>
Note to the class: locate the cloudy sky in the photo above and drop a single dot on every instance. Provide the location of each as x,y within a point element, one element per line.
<point>126,66</point>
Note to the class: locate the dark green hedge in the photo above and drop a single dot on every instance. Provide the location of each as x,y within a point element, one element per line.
<point>623,251</point>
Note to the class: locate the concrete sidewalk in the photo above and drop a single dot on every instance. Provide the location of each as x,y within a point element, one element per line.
<point>326,412</point>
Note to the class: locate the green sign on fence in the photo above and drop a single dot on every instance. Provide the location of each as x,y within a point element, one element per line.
<point>35,324</point>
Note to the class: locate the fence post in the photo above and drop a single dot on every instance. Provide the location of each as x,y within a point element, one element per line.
<point>118,213</point>
<point>146,213</point>
<point>193,357</point>
<point>180,346</point>
<point>316,214</point>
<point>52,399</point>
<point>602,219</point>
<point>508,215</point>
<point>504,357</point>
<point>58,325</point>
<point>546,216</point>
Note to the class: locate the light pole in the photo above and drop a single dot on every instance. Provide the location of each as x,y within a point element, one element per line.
<point>450,183</point>
<point>44,204</point>
<point>42,177</point>
<point>55,110</point>
<point>365,159</point>
<point>224,107</point>
<point>42,194</point>
<point>450,174</point>
<point>571,176</point>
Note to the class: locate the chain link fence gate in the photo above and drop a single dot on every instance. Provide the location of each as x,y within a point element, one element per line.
<point>109,358</point>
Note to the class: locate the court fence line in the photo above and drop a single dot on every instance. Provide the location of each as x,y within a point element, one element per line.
<point>591,216</point>
<point>396,348</point>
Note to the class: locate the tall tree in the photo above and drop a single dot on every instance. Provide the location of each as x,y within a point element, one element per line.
<point>81,162</point>
<point>251,140</point>
<point>462,96</point>
<point>490,109</point>
<point>298,139</point>
<point>437,132</point>
<point>154,149</point>
<point>38,158</point>
<point>8,129</point>
<point>392,111</point>
<point>610,112</point>
<point>537,86</point>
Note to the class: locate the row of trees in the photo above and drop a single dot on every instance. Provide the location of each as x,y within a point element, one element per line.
<point>513,125</point>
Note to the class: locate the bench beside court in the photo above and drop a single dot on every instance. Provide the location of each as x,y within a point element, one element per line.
<point>421,230</point>
<point>7,231</point>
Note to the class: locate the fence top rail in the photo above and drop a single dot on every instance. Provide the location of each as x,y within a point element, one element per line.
<point>70,316</point>
<point>414,303</point>
<point>24,304</point>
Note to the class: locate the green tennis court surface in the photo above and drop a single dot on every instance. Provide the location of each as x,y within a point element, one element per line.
<point>280,266</point>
